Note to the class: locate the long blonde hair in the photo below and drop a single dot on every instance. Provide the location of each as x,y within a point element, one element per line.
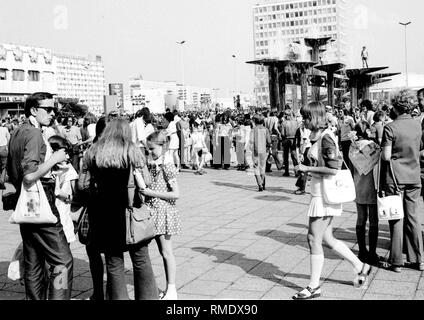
<point>115,148</point>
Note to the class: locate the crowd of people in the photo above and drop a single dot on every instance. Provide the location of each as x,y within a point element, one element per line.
<point>89,161</point>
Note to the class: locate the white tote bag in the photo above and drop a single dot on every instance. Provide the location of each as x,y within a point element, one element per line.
<point>340,188</point>
<point>33,207</point>
<point>389,207</point>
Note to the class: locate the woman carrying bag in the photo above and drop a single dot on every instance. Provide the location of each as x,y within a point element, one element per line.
<point>109,163</point>
<point>401,146</point>
<point>324,153</point>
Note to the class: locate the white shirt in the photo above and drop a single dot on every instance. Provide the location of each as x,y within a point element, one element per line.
<point>63,185</point>
<point>139,131</point>
<point>91,130</point>
<point>4,136</point>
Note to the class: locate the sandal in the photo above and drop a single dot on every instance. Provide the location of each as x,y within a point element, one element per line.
<point>361,279</point>
<point>307,294</point>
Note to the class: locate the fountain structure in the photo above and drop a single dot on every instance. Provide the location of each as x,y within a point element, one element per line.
<point>295,68</point>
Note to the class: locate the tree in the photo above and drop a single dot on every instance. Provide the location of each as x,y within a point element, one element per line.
<point>72,108</point>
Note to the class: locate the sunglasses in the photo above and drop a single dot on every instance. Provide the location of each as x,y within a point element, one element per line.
<point>48,109</point>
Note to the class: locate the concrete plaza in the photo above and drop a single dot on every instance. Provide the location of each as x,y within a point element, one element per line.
<point>241,244</point>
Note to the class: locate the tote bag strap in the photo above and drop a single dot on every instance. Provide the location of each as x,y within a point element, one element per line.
<point>131,187</point>
<point>379,176</point>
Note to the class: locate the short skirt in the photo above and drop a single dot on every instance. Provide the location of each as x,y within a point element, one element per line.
<point>318,207</point>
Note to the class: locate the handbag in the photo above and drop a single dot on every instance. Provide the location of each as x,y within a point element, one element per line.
<point>83,226</point>
<point>9,200</point>
<point>139,220</point>
<point>389,207</point>
<point>15,271</point>
<point>340,188</point>
<point>33,207</point>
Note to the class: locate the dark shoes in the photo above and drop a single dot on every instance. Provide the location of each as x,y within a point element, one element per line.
<point>307,294</point>
<point>261,189</point>
<point>416,266</point>
<point>396,269</point>
<point>286,174</point>
<point>299,192</point>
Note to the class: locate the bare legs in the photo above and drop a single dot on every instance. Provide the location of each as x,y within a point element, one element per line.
<point>164,243</point>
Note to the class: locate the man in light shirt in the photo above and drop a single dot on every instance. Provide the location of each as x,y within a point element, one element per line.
<point>142,128</point>
<point>4,142</point>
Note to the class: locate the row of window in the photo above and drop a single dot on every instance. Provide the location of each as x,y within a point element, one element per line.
<point>297,31</point>
<point>296,14</point>
<point>327,19</point>
<point>19,75</point>
<point>293,23</point>
<point>296,5</point>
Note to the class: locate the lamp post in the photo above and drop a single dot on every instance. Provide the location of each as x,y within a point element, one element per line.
<point>181,43</point>
<point>235,75</point>
<point>405,24</point>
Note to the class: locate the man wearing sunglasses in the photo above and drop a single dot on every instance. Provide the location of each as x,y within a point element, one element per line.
<point>28,162</point>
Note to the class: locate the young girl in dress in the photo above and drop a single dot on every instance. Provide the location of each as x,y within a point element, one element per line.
<point>66,177</point>
<point>325,156</point>
<point>161,198</point>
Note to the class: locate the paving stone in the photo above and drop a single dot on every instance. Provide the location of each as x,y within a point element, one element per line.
<point>406,275</point>
<point>221,274</point>
<point>379,297</point>
<point>205,287</point>
<point>404,289</point>
<point>419,295</point>
<point>343,291</point>
<point>279,292</point>
<point>10,295</point>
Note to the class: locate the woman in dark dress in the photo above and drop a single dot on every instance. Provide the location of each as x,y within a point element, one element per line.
<point>108,167</point>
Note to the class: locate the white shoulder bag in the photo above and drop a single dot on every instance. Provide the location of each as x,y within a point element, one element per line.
<point>33,207</point>
<point>389,207</point>
<point>340,188</point>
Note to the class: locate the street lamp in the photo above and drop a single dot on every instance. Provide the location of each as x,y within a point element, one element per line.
<point>181,43</point>
<point>405,24</point>
<point>235,75</point>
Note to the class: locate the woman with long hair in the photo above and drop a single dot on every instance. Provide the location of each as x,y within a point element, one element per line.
<point>324,153</point>
<point>109,162</point>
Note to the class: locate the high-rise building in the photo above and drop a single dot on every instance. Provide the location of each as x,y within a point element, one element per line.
<point>82,77</point>
<point>117,89</point>
<point>277,24</point>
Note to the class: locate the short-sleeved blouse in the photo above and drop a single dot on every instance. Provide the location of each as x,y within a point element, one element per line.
<point>166,216</point>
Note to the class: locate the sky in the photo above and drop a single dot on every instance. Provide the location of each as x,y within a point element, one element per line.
<point>138,37</point>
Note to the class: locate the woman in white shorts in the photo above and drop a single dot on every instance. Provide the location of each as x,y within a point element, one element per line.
<point>324,153</point>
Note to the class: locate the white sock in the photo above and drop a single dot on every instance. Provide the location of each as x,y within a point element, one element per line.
<point>171,288</point>
<point>343,250</point>
<point>317,262</point>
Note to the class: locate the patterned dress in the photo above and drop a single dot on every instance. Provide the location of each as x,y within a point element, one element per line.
<point>167,218</point>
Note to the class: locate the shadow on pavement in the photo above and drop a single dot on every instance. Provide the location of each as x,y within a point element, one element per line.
<point>260,269</point>
<point>255,188</point>
<point>272,198</point>
<point>345,235</point>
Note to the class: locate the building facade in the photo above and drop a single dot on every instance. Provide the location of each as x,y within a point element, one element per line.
<point>158,95</point>
<point>82,77</point>
<point>23,71</point>
<point>117,89</point>
<point>277,24</point>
